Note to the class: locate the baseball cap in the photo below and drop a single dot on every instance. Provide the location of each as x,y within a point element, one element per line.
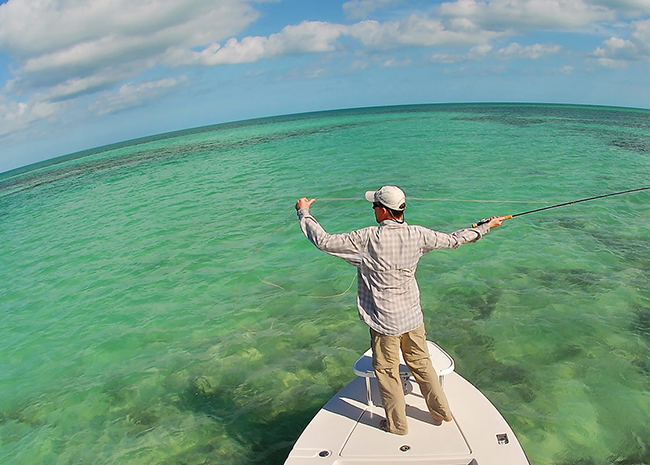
<point>389,196</point>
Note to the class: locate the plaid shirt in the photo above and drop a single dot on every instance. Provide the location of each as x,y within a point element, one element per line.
<point>386,257</point>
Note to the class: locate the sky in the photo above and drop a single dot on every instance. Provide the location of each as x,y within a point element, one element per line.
<point>77,74</point>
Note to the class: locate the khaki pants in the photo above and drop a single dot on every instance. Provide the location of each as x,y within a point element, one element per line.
<point>385,361</point>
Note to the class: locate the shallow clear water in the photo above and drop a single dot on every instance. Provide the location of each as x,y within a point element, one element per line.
<point>160,305</point>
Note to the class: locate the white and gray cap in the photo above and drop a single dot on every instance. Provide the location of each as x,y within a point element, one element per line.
<point>389,196</point>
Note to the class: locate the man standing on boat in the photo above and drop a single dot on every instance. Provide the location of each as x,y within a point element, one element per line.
<point>388,298</point>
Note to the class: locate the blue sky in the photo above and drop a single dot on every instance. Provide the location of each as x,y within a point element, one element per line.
<point>76,74</point>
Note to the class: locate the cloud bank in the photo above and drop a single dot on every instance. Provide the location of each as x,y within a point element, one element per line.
<point>116,54</point>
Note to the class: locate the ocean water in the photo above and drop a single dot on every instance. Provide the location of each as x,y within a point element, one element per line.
<point>159,303</point>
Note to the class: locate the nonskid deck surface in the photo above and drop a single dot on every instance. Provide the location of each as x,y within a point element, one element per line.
<point>346,431</point>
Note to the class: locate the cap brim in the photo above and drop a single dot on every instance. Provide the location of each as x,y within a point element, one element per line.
<point>370,196</point>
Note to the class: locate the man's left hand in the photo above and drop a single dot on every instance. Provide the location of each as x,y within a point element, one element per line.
<point>304,203</point>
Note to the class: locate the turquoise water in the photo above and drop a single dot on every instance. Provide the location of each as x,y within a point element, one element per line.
<point>160,305</point>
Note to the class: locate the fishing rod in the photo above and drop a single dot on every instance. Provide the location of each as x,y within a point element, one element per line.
<point>486,220</point>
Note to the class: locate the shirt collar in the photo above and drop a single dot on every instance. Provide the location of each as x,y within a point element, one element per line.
<point>392,223</point>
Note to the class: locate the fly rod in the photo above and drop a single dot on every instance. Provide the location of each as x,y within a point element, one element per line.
<point>486,220</point>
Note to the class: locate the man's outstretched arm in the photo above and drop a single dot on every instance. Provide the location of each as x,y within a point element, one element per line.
<point>345,246</point>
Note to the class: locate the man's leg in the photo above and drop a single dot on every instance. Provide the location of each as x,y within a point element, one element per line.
<point>416,356</point>
<point>385,361</point>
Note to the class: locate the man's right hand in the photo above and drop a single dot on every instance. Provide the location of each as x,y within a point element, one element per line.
<point>497,220</point>
<point>304,203</point>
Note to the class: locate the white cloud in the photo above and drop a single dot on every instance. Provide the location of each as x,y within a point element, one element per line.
<point>306,37</point>
<point>38,27</point>
<point>486,51</point>
<point>360,64</point>
<point>64,49</point>
<point>55,40</point>
<point>394,63</point>
<point>318,36</point>
<point>641,34</point>
<point>357,9</point>
<point>19,116</point>
<point>78,86</point>
<point>634,7</point>
<point>480,50</point>
<point>85,56</point>
<point>301,74</point>
<point>478,53</point>
<point>135,94</point>
<point>533,52</point>
<point>75,47</point>
<point>617,52</point>
<point>418,31</point>
<point>518,15</point>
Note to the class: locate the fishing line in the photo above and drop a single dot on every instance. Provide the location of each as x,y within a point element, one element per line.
<point>253,253</point>
<point>345,199</point>
<point>256,251</point>
<point>486,220</point>
<point>311,296</point>
<point>483,221</point>
<point>340,199</point>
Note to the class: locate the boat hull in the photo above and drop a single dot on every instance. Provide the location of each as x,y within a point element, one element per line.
<point>346,431</point>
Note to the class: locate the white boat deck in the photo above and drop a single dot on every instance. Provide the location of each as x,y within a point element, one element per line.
<point>346,430</point>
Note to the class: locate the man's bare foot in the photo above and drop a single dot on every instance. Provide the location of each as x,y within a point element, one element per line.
<point>440,422</point>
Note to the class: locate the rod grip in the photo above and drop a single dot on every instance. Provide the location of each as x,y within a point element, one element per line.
<point>487,220</point>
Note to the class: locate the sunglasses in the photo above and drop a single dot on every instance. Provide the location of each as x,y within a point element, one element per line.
<point>377,205</point>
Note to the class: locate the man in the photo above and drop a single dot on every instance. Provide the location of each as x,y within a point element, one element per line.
<point>388,297</point>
